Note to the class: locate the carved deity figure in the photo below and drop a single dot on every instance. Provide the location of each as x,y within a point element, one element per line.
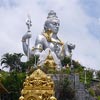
<point>48,39</point>
<point>50,61</point>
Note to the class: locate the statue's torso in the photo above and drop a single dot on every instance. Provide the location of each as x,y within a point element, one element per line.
<point>41,40</point>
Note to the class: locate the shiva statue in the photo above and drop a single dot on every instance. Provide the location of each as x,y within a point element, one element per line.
<point>48,39</point>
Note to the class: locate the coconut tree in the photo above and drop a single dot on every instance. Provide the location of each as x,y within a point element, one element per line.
<point>12,61</point>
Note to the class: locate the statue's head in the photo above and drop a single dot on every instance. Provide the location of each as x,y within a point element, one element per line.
<point>52,23</point>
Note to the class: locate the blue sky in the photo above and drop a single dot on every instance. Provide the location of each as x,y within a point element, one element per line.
<point>91,8</point>
<point>79,24</point>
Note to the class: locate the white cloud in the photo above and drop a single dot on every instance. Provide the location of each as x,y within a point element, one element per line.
<point>73,27</point>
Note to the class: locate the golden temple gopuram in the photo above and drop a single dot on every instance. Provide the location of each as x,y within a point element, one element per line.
<point>38,86</point>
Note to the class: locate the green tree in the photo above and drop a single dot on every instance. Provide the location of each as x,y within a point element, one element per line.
<point>32,61</point>
<point>65,61</point>
<point>78,68</point>
<point>13,82</point>
<point>65,91</point>
<point>30,65</point>
<point>12,61</point>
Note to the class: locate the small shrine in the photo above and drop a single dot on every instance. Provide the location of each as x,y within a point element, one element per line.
<point>49,61</point>
<point>38,86</point>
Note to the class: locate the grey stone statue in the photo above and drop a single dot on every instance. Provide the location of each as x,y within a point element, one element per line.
<point>49,39</point>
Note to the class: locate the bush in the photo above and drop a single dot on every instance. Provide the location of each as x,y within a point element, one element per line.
<point>97,92</point>
<point>65,91</point>
<point>98,98</point>
<point>92,92</point>
<point>65,70</point>
<point>13,82</point>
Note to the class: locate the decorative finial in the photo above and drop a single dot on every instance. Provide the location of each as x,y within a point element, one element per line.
<point>29,23</point>
<point>52,14</point>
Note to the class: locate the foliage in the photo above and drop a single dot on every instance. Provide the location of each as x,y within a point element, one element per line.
<point>65,70</point>
<point>91,91</point>
<point>77,66</point>
<point>52,71</point>
<point>98,98</point>
<point>13,82</point>
<point>3,75</point>
<point>32,61</point>
<point>30,65</point>
<point>12,61</point>
<point>65,91</point>
<point>65,61</point>
<point>48,70</point>
<point>82,77</point>
<point>97,91</point>
<point>89,74</point>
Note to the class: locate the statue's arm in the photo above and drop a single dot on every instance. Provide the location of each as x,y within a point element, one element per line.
<point>40,44</point>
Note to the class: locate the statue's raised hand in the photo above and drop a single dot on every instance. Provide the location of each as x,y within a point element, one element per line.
<point>26,36</point>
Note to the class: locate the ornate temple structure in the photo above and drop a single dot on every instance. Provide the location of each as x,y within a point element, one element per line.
<point>38,86</point>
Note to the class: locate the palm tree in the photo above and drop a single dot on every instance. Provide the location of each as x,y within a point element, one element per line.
<point>12,61</point>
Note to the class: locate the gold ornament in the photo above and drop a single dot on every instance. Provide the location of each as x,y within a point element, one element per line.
<point>37,86</point>
<point>49,62</point>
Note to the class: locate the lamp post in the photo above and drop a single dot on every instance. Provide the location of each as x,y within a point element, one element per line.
<point>85,69</point>
<point>71,61</point>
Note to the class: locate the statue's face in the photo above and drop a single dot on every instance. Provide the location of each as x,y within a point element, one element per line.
<point>52,25</point>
